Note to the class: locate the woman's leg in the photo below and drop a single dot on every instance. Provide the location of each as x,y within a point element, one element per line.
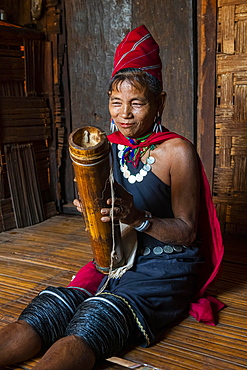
<point>99,329</point>
<point>41,323</point>
<point>68,353</point>
<point>18,342</point>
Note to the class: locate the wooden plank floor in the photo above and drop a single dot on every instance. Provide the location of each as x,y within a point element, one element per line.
<point>50,253</point>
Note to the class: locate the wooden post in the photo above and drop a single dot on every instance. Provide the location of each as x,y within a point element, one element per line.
<point>206,84</point>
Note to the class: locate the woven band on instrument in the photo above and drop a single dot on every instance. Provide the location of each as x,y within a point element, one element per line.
<point>89,164</point>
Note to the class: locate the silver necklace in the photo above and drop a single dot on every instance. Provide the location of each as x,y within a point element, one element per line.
<point>138,177</point>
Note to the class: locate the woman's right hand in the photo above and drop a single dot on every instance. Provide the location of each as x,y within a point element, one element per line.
<point>77,203</point>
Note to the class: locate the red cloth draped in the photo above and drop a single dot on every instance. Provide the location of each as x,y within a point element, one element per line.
<point>88,277</point>
<point>203,307</point>
<point>138,50</point>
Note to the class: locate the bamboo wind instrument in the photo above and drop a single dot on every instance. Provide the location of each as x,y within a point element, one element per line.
<point>90,153</point>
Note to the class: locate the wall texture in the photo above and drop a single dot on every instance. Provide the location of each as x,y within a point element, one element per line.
<point>95,28</point>
<point>171,24</point>
<point>230,172</point>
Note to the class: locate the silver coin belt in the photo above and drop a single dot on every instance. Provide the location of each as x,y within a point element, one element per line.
<point>163,249</point>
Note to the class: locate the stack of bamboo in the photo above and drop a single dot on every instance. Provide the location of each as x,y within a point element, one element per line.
<point>25,127</point>
<point>24,119</point>
<point>12,71</point>
<point>230,177</point>
<point>7,219</point>
<point>34,66</point>
<point>24,187</point>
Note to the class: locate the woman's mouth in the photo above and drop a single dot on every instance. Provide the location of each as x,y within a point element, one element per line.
<point>125,125</point>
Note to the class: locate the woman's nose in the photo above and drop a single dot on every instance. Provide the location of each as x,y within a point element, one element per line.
<point>126,111</point>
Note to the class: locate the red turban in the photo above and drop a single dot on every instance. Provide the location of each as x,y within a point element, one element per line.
<point>138,50</point>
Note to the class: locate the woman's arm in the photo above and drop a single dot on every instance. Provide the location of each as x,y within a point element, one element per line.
<point>176,165</point>
<point>182,165</point>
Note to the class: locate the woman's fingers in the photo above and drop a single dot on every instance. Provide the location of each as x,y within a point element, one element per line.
<point>118,212</point>
<point>77,203</point>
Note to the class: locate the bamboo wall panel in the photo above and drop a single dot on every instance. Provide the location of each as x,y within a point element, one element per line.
<point>230,175</point>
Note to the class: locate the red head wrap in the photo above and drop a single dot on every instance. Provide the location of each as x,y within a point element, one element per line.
<point>138,50</point>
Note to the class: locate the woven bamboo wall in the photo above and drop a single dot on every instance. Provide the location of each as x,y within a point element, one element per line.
<point>230,176</point>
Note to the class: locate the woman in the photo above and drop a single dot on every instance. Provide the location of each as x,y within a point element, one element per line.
<point>159,194</point>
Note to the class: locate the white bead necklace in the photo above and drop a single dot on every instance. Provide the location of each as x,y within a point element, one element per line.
<point>138,177</point>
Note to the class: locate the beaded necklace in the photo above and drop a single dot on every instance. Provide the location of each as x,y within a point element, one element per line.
<point>126,154</point>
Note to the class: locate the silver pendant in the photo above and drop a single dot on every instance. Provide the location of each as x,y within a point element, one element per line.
<point>150,160</point>
<point>126,174</point>
<point>120,154</point>
<point>147,167</point>
<point>120,147</point>
<point>143,172</point>
<point>139,177</point>
<point>132,179</point>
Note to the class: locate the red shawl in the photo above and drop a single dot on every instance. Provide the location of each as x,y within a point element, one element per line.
<point>203,306</point>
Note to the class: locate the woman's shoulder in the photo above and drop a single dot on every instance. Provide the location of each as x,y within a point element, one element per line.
<point>177,146</point>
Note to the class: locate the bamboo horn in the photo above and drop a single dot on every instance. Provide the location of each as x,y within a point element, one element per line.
<point>90,153</point>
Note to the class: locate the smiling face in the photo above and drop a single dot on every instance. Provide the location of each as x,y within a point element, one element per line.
<point>133,108</point>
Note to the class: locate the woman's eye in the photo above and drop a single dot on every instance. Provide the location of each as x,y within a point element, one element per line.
<point>137,104</point>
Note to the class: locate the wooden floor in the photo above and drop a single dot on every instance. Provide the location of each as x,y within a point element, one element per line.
<point>50,253</point>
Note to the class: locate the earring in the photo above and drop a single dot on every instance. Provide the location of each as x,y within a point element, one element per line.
<point>113,127</point>
<point>157,124</point>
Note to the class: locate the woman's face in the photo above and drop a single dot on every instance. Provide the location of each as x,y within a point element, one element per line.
<point>132,108</point>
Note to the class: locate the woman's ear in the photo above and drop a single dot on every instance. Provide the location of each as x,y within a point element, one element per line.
<point>162,102</point>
